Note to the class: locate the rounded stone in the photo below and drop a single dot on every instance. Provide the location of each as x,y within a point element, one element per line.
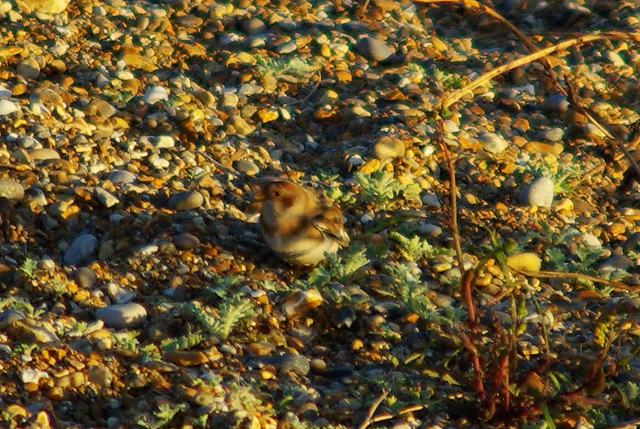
<point>155,94</point>
<point>186,241</point>
<point>122,316</point>
<point>555,104</point>
<point>539,193</point>
<point>11,190</point>
<point>246,166</point>
<point>492,142</point>
<point>374,49</point>
<point>186,200</point>
<point>388,147</point>
<point>81,249</point>
<point>254,26</point>
<point>296,364</point>
<point>553,135</point>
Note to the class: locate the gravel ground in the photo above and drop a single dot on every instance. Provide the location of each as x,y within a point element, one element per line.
<point>136,290</point>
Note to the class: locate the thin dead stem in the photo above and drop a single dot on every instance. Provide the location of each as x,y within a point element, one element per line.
<point>372,409</point>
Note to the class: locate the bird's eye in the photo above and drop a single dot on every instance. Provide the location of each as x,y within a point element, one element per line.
<point>277,193</point>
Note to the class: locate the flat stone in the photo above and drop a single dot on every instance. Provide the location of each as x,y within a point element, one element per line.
<point>122,316</point>
<point>47,6</point>
<point>539,193</point>
<point>553,135</point>
<point>119,294</point>
<point>105,197</point>
<point>81,249</point>
<point>374,49</point>
<point>7,107</point>
<point>44,154</point>
<point>11,190</point>
<point>186,200</point>
<point>121,177</point>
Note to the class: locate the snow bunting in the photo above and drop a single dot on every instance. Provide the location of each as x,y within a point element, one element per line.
<point>298,226</point>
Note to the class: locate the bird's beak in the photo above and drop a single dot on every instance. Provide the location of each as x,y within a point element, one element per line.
<point>259,196</point>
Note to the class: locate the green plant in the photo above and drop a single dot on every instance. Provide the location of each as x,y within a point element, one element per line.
<point>416,247</point>
<point>127,340</point>
<point>410,290</point>
<point>231,312</point>
<point>340,269</point>
<point>383,189</point>
<point>287,67</point>
<point>162,416</point>
<point>29,267</point>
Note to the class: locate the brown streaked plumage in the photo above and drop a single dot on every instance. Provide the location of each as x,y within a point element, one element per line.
<point>297,225</point>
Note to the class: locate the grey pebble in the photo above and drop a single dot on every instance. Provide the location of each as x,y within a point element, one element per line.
<point>539,193</point>
<point>121,316</point>
<point>105,197</point>
<point>11,190</point>
<point>294,363</point>
<point>81,249</point>
<point>119,294</point>
<point>186,241</point>
<point>100,375</point>
<point>28,68</point>
<point>616,262</point>
<point>186,200</point>
<point>86,277</point>
<point>555,104</point>
<point>374,49</point>
<point>121,177</point>
<point>254,26</point>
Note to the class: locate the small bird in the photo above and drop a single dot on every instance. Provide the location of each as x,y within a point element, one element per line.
<point>298,226</point>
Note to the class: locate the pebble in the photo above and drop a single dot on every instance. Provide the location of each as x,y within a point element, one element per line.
<point>47,6</point>
<point>615,262</point>
<point>86,277</point>
<point>122,316</point>
<point>44,154</point>
<point>553,135</point>
<point>526,261</point>
<point>293,363</point>
<point>555,104</point>
<point>286,48</point>
<point>186,200</point>
<point>591,240</point>
<point>100,375</point>
<point>81,250</point>
<point>105,197</point>
<point>11,190</point>
<point>186,241</point>
<point>241,126</point>
<point>155,94</point>
<point>29,68</point>
<point>246,166</point>
<point>374,49</point>
<point>300,303</point>
<point>539,193</point>
<point>121,177</point>
<point>254,26</point>
<point>492,142</point>
<point>388,147</point>
<point>119,294</point>
<point>7,107</point>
